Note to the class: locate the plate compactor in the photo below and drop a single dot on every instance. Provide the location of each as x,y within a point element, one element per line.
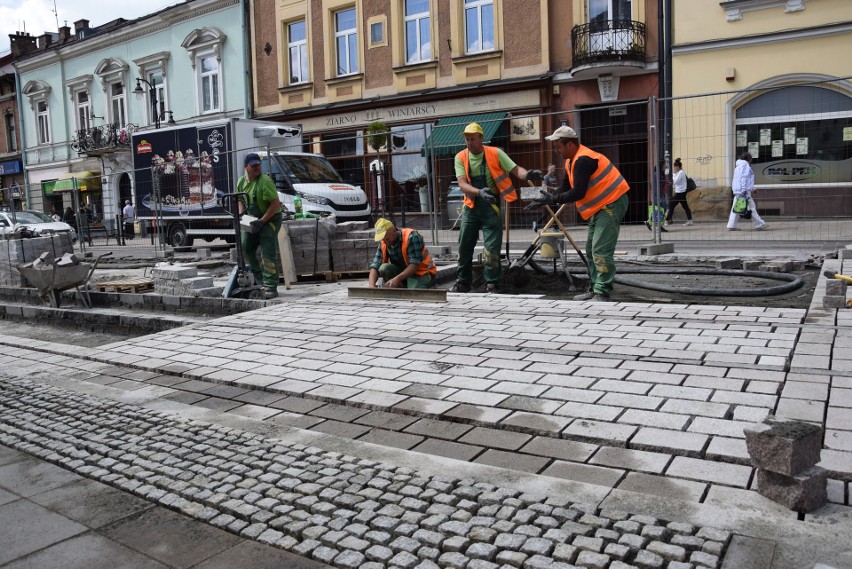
<point>241,282</point>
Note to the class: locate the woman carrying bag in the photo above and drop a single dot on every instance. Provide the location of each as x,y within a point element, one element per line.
<point>679,197</point>
<point>742,185</point>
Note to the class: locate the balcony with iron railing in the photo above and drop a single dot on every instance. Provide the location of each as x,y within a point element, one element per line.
<point>610,46</point>
<point>104,139</point>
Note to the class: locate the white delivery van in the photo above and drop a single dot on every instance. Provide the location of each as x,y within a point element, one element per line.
<point>319,185</point>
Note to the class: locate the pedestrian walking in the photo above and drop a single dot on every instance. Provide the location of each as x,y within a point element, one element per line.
<point>261,201</point>
<point>483,176</point>
<point>599,192</point>
<point>401,259</point>
<point>742,186</point>
<point>679,197</point>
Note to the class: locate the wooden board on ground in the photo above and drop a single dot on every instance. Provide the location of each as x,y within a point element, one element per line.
<point>285,253</point>
<point>411,294</point>
<point>126,285</point>
<point>334,276</point>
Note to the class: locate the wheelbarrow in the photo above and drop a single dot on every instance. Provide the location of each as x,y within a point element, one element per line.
<point>52,280</point>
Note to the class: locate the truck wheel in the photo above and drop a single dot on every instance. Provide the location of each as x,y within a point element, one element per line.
<point>178,236</point>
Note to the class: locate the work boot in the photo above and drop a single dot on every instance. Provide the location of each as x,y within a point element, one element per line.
<point>588,295</point>
<point>270,293</point>
<point>491,287</point>
<point>601,298</point>
<point>460,286</point>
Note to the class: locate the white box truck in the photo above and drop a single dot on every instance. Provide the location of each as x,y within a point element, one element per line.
<point>182,172</point>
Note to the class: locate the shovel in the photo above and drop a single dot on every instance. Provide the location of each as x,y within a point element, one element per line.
<point>524,259</point>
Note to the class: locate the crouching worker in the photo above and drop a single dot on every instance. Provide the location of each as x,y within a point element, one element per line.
<point>401,260</point>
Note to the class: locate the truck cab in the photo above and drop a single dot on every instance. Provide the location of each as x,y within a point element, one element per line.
<point>319,185</point>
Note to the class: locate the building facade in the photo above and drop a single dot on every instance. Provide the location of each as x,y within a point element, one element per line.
<point>84,92</point>
<point>425,68</point>
<point>771,78</point>
<point>11,169</point>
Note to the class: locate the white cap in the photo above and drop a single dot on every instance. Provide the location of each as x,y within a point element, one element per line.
<point>562,132</point>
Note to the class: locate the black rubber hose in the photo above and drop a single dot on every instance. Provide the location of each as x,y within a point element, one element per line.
<point>794,282</point>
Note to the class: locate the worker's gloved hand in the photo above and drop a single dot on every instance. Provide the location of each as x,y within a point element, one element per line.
<point>257,225</point>
<point>534,176</point>
<point>486,194</point>
<point>544,198</point>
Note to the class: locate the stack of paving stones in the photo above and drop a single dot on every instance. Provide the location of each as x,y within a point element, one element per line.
<point>786,453</point>
<point>310,244</point>
<point>353,247</point>
<point>835,294</point>
<point>177,280</point>
<point>20,251</point>
<point>338,509</point>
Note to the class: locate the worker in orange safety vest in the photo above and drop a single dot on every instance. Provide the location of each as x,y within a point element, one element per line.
<point>483,176</point>
<point>401,259</point>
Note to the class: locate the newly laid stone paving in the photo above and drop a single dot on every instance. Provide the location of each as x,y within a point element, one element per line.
<point>679,380</point>
<point>334,507</point>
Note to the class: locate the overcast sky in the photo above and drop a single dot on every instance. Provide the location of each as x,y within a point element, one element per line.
<point>37,16</point>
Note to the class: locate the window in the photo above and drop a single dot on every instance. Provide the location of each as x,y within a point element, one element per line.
<point>158,80</point>
<point>796,136</point>
<point>118,114</point>
<point>418,46</point>
<point>11,133</point>
<point>479,25</point>
<point>297,48</point>
<point>209,84</point>
<point>377,33</point>
<point>84,111</point>
<point>42,122</point>
<point>609,24</point>
<point>346,41</point>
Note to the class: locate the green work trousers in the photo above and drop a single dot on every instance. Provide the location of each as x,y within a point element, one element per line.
<point>266,269</point>
<point>484,217</point>
<point>604,227</point>
<point>388,271</point>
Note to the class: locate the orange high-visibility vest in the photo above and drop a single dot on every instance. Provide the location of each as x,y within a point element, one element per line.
<point>500,176</point>
<point>605,186</point>
<point>425,266</point>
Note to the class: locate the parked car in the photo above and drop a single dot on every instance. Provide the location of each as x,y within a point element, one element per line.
<point>35,222</point>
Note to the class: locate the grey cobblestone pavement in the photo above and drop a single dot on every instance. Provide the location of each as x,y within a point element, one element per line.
<point>626,416</point>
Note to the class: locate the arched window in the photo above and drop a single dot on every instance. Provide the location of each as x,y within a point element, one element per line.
<point>797,134</point>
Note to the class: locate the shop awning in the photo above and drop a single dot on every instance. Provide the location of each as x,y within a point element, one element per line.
<point>446,138</point>
<point>86,180</point>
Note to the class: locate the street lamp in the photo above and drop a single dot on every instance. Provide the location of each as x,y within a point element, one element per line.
<point>155,105</point>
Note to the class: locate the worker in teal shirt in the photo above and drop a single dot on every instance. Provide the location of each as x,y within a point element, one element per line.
<point>261,201</point>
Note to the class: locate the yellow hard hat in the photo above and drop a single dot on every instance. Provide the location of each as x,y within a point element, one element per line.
<point>472,128</point>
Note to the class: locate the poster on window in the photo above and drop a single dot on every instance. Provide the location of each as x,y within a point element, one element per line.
<point>777,148</point>
<point>742,138</point>
<point>790,135</point>
<point>765,136</point>
<point>524,129</point>
<point>847,133</point>
<point>801,146</point>
<point>753,149</point>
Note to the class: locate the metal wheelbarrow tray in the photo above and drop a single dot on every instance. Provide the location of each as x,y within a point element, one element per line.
<point>52,280</point>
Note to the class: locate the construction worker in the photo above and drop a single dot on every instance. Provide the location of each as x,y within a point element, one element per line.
<point>483,176</point>
<point>599,191</point>
<point>261,202</point>
<point>401,260</point>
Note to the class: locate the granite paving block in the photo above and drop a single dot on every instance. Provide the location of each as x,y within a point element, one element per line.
<point>536,422</point>
<point>449,449</point>
<point>654,419</point>
<point>700,408</point>
<point>559,448</point>
<point>689,468</point>
<point>347,430</point>
<point>690,444</point>
<point>599,432</point>
<point>666,487</point>
<point>495,438</point>
<point>803,390</point>
<point>728,450</point>
<point>589,474</point>
<point>513,460</point>
<point>477,414</point>
<point>438,429</point>
<point>719,427</point>
<point>630,459</point>
<point>602,412</point>
<point>391,438</point>
<point>801,410</point>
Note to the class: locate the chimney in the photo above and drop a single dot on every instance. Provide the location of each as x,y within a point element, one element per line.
<point>80,25</point>
<point>64,34</point>
<point>22,43</point>
<point>44,40</point>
